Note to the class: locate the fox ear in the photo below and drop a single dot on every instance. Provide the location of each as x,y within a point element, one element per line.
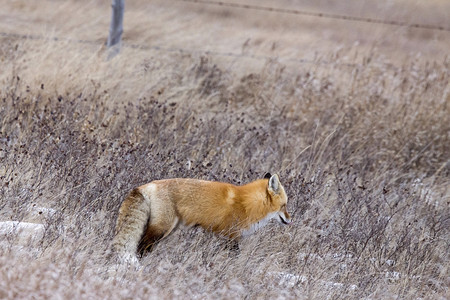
<point>267,176</point>
<point>274,184</point>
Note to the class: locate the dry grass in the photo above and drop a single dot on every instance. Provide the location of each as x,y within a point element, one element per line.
<point>369,197</point>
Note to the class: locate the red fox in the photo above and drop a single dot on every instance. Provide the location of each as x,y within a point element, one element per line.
<point>152,211</point>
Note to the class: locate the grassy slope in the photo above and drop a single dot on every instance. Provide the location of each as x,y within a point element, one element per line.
<point>369,196</point>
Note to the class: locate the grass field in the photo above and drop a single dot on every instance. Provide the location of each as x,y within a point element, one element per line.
<point>354,117</point>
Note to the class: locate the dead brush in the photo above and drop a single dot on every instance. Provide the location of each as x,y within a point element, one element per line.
<point>362,152</point>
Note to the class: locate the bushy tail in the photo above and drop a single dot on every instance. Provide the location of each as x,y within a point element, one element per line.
<point>131,223</point>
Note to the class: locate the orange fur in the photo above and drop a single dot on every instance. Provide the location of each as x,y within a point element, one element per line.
<point>153,210</point>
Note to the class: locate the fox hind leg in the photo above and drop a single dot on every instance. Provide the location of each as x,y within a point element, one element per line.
<point>154,233</point>
<point>151,235</point>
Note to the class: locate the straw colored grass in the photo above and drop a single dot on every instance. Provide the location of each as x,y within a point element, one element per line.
<point>361,143</point>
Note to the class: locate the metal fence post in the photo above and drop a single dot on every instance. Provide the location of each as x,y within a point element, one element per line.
<point>115,28</point>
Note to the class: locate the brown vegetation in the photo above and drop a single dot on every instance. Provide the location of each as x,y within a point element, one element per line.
<point>362,149</point>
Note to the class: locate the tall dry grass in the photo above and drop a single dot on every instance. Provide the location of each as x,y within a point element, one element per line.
<point>362,150</point>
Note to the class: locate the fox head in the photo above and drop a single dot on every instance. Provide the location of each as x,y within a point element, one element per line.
<point>278,198</point>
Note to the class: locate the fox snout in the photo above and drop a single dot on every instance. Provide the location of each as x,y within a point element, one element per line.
<point>284,217</point>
